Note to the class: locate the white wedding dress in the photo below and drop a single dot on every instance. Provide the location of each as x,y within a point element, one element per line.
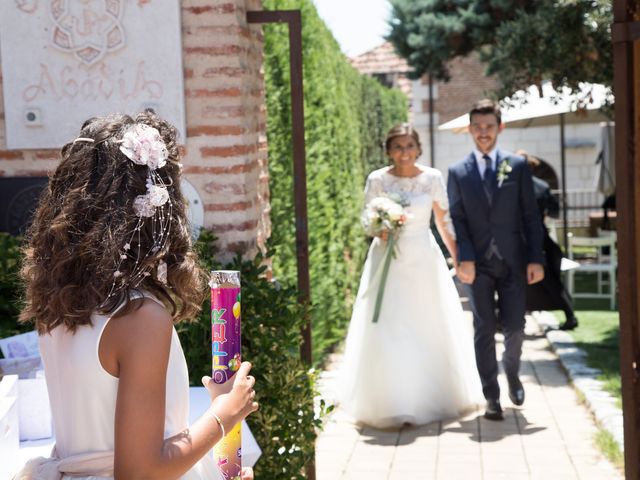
<point>416,364</point>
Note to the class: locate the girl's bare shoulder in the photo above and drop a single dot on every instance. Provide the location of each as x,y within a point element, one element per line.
<point>147,321</point>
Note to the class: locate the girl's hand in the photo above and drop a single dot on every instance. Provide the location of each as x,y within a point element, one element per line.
<point>384,235</point>
<point>234,400</point>
<point>217,389</point>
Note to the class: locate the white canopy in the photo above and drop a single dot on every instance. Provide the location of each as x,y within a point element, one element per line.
<point>531,109</point>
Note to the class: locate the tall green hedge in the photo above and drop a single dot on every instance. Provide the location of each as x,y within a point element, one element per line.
<point>346,117</point>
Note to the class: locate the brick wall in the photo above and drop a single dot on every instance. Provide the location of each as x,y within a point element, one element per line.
<point>468,83</point>
<point>225,152</point>
<point>226,156</point>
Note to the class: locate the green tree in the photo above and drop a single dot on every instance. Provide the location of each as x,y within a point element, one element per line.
<point>522,42</point>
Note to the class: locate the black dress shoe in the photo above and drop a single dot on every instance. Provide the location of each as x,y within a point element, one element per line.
<point>569,324</point>
<point>493,410</point>
<point>516,391</point>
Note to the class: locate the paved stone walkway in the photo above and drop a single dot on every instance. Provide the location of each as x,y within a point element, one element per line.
<point>549,438</point>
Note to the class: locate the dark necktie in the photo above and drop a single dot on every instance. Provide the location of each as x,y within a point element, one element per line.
<point>490,183</point>
<point>489,178</point>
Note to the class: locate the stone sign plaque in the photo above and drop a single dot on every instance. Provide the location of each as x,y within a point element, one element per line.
<point>64,61</point>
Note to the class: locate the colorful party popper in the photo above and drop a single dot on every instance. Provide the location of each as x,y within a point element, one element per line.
<point>226,359</point>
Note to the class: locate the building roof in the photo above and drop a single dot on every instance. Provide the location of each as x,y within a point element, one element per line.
<point>382,59</point>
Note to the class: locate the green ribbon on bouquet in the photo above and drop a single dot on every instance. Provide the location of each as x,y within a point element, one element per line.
<point>385,271</point>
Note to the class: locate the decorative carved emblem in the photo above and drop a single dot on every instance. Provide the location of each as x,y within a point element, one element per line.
<point>89,29</point>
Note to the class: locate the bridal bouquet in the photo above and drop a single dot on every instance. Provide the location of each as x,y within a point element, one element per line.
<point>382,214</point>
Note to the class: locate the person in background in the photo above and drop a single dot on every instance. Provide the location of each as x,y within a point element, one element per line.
<point>550,293</point>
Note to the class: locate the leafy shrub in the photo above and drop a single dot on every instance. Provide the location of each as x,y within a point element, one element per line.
<point>10,286</point>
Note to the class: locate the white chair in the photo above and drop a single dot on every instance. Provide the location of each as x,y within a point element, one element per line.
<point>602,260</point>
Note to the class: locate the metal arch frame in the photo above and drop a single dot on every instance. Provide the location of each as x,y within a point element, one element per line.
<point>293,19</point>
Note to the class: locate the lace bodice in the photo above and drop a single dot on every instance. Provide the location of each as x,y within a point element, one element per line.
<point>420,191</point>
<point>429,181</point>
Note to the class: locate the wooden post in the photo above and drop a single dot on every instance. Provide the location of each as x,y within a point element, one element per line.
<point>626,36</point>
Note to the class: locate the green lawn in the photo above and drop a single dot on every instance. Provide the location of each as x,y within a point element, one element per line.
<point>597,334</point>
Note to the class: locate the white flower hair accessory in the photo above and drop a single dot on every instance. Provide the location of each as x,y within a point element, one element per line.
<point>143,145</point>
<point>156,196</point>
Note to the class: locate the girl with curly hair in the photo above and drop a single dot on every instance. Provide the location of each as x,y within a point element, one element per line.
<point>108,269</point>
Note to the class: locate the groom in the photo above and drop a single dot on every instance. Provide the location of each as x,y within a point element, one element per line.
<point>499,239</point>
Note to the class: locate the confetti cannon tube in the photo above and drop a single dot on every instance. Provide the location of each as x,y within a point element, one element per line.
<point>226,359</point>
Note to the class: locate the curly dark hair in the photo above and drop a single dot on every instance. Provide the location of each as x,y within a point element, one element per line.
<point>84,219</point>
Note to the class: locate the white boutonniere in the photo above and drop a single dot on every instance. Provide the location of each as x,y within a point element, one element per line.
<point>504,169</point>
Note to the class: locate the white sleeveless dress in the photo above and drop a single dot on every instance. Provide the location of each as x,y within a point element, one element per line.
<point>83,395</point>
<point>416,364</point>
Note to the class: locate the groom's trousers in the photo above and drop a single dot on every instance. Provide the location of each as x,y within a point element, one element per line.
<point>493,276</point>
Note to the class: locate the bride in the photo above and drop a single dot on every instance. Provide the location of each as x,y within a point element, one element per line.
<point>416,363</point>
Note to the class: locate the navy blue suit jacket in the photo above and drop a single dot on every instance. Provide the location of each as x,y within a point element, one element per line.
<point>512,219</point>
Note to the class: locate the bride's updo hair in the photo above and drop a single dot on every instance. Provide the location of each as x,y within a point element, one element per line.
<point>401,130</point>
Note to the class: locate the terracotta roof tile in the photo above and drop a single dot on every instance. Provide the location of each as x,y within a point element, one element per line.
<point>382,59</point>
